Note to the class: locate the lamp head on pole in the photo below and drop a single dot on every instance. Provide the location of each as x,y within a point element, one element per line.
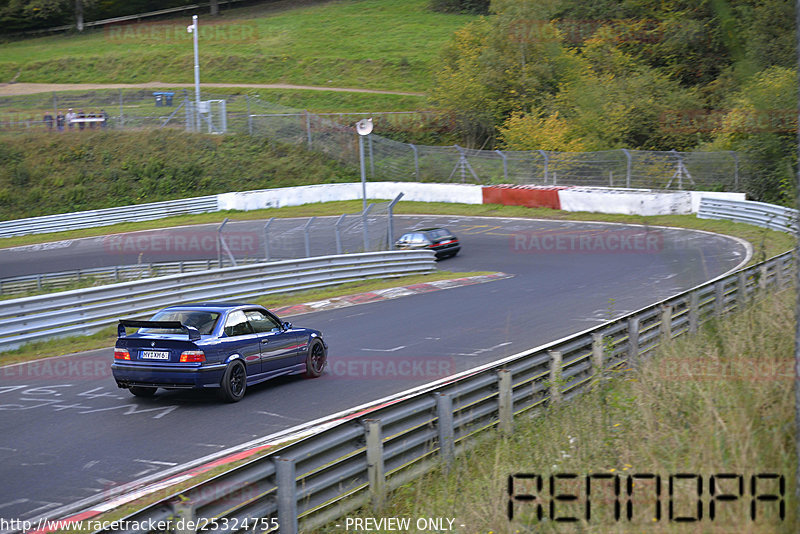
<point>364,126</point>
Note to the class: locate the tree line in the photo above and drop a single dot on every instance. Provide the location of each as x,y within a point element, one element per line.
<point>572,75</point>
<point>25,15</point>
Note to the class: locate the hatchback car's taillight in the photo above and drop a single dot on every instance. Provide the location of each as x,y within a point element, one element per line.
<point>121,354</point>
<point>193,356</point>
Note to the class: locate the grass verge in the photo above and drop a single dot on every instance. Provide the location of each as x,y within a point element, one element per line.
<point>107,336</point>
<point>717,402</point>
<point>766,243</point>
<point>313,43</point>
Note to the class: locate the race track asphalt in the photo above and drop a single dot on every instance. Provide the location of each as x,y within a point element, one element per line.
<point>67,433</point>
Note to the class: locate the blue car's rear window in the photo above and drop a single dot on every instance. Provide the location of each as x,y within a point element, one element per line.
<point>204,321</point>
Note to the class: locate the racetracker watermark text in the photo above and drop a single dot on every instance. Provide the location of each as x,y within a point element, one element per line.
<point>577,242</point>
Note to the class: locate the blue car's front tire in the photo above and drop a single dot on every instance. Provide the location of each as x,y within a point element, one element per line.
<point>234,382</point>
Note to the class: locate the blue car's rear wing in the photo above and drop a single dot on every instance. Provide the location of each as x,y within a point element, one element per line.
<point>191,331</point>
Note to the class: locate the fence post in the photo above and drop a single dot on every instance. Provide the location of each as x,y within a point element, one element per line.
<point>762,280</point>
<point>735,170</point>
<point>338,232</point>
<point>365,227</point>
<point>266,238</point>
<point>287,495</point>
<point>694,311</point>
<point>505,166</point>
<point>183,511</point>
<point>375,473</point>
<point>610,178</point>
<point>546,157</point>
<point>392,204</point>
<point>555,376</point>
<point>371,157</point>
<point>121,112</point>
<point>633,341</point>
<point>416,160</point>
<point>666,323</point>
<point>597,353</point>
<point>627,167</point>
<point>505,402</point>
<point>249,116</point>
<point>444,416</point>
<point>307,237</point>
<point>308,128</point>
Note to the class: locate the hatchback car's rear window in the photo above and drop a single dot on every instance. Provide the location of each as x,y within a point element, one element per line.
<point>204,321</point>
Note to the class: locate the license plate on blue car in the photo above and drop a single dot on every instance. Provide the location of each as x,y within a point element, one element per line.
<point>154,355</point>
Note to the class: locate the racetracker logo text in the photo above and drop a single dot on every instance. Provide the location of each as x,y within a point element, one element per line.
<point>582,242</point>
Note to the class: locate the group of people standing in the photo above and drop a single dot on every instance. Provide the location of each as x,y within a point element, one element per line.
<point>71,119</point>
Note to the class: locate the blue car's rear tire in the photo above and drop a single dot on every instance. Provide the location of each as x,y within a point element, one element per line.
<point>234,382</point>
<point>315,359</point>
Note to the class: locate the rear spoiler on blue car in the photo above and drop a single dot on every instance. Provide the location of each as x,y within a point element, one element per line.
<point>177,325</point>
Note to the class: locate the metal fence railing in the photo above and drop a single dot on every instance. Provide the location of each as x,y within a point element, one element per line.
<point>82,311</point>
<point>386,159</point>
<point>316,480</point>
<point>106,275</point>
<point>104,217</point>
<point>755,213</point>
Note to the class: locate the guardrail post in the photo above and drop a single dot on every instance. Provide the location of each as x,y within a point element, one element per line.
<point>762,280</point>
<point>287,495</point>
<point>741,288</point>
<point>779,278</point>
<point>444,416</point>
<point>597,353</point>
<point>505,402</point>
<point>555,375</point>
<point>666,323</point>
<point>719,298</point>
<point>694,311</point>
<point>375,473</point>
<point>183,512</point>
<point>633,341</point>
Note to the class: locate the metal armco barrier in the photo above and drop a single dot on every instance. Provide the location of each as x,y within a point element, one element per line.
<point>83,311</point>
<point>107,216</point>
<point>756,213</point>
<point>105,275</point>
<point>316,480</point>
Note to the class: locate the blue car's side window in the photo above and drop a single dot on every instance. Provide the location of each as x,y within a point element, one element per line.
<point>237,325</point>
<point>262,323</point>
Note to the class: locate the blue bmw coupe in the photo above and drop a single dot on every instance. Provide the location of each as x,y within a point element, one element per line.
<point>222,346</point>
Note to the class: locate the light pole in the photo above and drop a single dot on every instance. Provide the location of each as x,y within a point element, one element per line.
<point>194,30</point>
<point>364,128</point>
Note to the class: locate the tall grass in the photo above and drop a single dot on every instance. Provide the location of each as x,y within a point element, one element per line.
<point>717,402</point>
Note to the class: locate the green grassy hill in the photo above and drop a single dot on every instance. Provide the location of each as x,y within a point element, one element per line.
<point>387,44</point>
<point>42,174</point>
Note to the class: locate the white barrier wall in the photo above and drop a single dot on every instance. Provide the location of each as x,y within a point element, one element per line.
<point>307,194</point>
<point>637,201</point>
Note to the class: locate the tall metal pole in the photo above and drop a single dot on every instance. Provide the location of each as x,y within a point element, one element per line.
<point>797,288</point>
<point>194,29</point>
<point>364,174</point>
